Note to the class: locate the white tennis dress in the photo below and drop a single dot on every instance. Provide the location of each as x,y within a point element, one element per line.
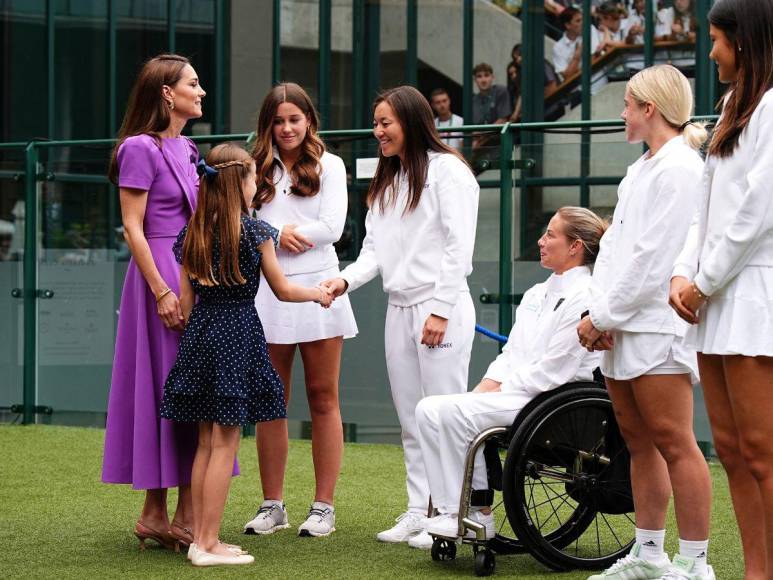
<point>729,252</point>
<point>320,218</point>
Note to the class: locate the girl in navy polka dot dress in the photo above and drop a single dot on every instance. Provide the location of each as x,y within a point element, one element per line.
<point>222,378</point>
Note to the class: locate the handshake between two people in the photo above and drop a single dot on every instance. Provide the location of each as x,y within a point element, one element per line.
<point>329,290</point>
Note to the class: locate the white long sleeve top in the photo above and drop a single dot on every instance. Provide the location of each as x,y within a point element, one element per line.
<point>542,351</point>
<point>425,254</point>
<point>734,225</point>
<point>320,217</point>
<point>657,200</point>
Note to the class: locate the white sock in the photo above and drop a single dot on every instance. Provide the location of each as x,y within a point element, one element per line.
<point>698,551</point>
<point>651,544</point>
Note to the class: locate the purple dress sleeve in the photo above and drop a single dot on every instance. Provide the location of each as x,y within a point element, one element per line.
<point>138,159</point>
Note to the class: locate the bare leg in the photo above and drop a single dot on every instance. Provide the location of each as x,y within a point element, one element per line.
<point>322,365</point>
<point>154,514</point>
<point>666,404</point>
<point>217,480</point>
<point>649,473</point>
<point>750,388</point>
<point>200,463</point>
<point>271,436</point>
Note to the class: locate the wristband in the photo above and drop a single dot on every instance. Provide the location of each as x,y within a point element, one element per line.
<point>698,292</point>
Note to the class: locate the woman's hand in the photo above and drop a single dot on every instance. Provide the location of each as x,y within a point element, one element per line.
<point>691,300</point>
<point>679,283</point>
<point>292,241</point>
<point>587,333</point>
<point>434,330</point>
<point>335,286</point>
<point>170,312</point>
<point>488,386</point>
<point>325,297</point>
<point>604,342</point>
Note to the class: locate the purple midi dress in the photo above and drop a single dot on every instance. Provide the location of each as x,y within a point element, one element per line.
<point>141,448</point>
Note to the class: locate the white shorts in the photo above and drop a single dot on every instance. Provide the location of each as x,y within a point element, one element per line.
<point>296,322</point>
<point>648,353</point>
<point>739,318</point>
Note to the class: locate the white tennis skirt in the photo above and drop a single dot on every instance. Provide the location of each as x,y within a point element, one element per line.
<point>647,353</point>
<point>738,319</point>
<point>295,322</point>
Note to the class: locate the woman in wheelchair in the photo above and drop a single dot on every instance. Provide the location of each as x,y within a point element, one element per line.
<point>649,372</point>
<point>541,353</point>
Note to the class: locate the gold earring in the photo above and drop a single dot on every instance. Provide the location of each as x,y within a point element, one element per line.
<point>171,105</point>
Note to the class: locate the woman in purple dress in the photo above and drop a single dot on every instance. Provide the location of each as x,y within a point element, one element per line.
<point>154,167</point>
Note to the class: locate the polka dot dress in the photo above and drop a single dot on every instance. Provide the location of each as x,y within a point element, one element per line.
<point>222,372</point>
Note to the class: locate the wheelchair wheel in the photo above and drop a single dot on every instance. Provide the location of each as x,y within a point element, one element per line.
<point>485,562</point>
<point>443,549</point>
<point>567,482</point>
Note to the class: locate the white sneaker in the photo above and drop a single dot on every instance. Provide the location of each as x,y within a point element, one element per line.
<point>408,525</point>
<point>271,516</point>
<point>422,541</point>
<point>632,566</point>
<point>682,568</point>
<point>320,521</point>
<point>447,525</point>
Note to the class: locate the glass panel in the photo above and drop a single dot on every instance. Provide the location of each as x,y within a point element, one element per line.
<point>300,44</point>
<point>341,66</point>
<point>196,40</point>
<point>22,72</point>
<point>141,33</point>
<point>80,59</point>
<point>83,266</point>
<point>11,277</point>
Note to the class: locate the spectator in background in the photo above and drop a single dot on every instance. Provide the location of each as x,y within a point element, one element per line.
<point>550,84</point>
<point>444,117</point>
<point>491,104</point>
<point>554,9</point>
<point>609,33</point>
<point>676,22</point>
<point>633,26</point>
<point>567,52</point>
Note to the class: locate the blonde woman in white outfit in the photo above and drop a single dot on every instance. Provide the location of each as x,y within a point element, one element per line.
<point>723,281</point>
<point>648,370</point>
<point>420,233</point>
<point>541,354</point>
<point>302,193</point>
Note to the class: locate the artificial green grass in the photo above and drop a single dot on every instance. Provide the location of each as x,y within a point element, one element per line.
<point>58,521</point>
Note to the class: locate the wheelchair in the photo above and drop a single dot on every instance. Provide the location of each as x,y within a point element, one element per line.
<point>565,485</point>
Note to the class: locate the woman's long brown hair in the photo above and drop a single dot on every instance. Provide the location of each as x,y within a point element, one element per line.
<point>304,175</point>
<point>748,25</point>
<point>420,135</point>
<point>146,112</point>
<point>217,219</point>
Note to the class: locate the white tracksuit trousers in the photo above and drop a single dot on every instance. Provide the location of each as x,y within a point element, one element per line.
<point>416,371</point>
<point>447,426</point>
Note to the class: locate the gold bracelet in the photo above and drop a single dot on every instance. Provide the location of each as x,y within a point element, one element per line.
<point>698,293</point>
<point>163,293</point>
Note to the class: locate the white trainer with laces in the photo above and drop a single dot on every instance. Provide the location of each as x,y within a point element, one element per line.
<point>682,568</point>
<point>632,567</point>
<point>320,521</point>
<point>271,516</point>
<point>408,525</point>
<point>447,525</point>
<point>422,541</point>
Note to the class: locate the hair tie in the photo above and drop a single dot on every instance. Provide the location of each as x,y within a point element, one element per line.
<point>684,125</point>
<point>205,170</point>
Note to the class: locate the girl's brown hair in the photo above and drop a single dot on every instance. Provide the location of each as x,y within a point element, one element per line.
<point>748,25</point>
<point>217,219</point>
<point>420,135</point>
<point>147,112</point>
<point>305,172</point>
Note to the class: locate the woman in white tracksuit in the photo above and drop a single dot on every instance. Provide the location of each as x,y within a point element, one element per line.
<point>648,370</point>
<point>541,353</point>
<point>723,281</point>
<point>420,233</point>
<point>302,193</point>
